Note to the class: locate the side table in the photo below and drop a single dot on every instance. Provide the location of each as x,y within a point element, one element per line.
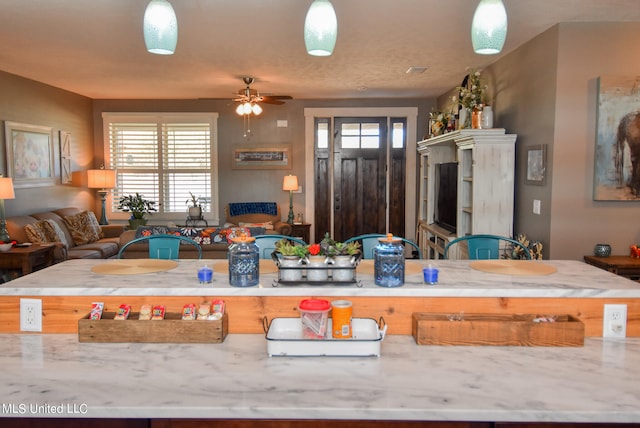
<point>301,230</point>
<point>27,259</point>
<point>626,266</point>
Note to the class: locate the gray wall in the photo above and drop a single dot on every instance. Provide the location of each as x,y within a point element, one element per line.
<point>254,185</point>
<point>33,103</point>
<point>546,92</point>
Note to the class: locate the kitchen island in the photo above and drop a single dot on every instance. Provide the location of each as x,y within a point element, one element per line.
<point>67,290</point>
<point>52,376</point>
<point>236,384</point>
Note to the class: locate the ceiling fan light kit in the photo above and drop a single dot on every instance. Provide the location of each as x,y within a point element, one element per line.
<point>489,27</point>
<point>320,28</point>
<point>160,28</point>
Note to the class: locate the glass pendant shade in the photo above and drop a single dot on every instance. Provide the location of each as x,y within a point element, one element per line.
<point>248,108</point>
<point>256,109</point>
<point>160,28</point>
<point>489,27</point>
<point>320,28</point>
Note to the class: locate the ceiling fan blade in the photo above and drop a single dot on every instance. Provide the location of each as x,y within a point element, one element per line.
<point>275,99</point>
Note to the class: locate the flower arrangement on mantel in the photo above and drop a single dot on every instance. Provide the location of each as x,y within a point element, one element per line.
<point>473,94</point>
<point>439,123</point>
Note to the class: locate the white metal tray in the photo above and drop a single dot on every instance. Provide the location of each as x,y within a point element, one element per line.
<point>284,338</point>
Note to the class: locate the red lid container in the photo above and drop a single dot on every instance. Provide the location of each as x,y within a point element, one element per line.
<point>314,305</point>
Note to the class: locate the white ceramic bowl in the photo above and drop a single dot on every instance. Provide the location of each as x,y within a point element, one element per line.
<point>5,247</point>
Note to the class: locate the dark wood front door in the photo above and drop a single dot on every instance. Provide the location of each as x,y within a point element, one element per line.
<point>352,185</point>
<point>359,176</point>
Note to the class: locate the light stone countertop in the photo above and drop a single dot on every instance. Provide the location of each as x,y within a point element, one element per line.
<point>457,279</point>
<point>55,376</point>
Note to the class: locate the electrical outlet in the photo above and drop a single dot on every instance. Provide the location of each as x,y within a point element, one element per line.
<point>30,315</point>
<point>614,321</point>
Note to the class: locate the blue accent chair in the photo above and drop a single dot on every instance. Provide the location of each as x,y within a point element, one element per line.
<point>166,247</point>
<point>486,247</point>
<point>370,240</point>
<point>267,243</point>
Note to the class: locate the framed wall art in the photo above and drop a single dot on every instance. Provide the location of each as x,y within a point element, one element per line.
<point>30,154</point>
<point>262,157</point>
<point>617,149</point>
<point>536,164</point>
<point>65,157</point>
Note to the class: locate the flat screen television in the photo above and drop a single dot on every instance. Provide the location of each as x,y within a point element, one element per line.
<point>446,195</point>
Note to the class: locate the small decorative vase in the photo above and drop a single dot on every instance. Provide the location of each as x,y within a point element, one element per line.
<point>464,119</point>
<point>343,262</point>
<point>487,117</point>
<point>476,118</point>
<point>602,250</point>
<point>318,271</point>
<point>290,274</point>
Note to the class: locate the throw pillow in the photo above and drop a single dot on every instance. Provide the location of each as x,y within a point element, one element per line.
<point>53,233</point>
<point>35,232</point>
<point>267,225</point>
<point>48,231</point>
<point>84,227</point>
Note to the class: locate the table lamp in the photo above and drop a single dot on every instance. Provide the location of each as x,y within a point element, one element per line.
<point>102,179</point>
<point>6,192</point>
<point>290,183</point>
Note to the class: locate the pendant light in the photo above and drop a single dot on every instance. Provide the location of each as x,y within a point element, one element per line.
<point>489,27</point>
<point>320,28</point>
<point>160,28</point>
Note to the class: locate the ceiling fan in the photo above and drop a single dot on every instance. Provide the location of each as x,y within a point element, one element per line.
<point>250,99</point>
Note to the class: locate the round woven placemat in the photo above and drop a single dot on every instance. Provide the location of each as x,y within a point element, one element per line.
<point>134,266</point>
<point>513,267</point>
<point>266,266</point>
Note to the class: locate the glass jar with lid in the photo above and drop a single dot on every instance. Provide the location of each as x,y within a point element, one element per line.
<point>388,262</point>
<point>244,262</point>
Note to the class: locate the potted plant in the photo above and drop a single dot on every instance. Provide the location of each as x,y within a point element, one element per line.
<point>195,209</point>
<point>138,207</point>
<point>291,257</point>
<point>345,259</point>
<point>317,261</point>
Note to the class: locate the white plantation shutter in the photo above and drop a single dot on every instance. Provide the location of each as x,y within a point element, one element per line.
<point>164,157</point>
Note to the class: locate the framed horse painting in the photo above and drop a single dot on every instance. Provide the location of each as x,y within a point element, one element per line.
<point>617,156</point>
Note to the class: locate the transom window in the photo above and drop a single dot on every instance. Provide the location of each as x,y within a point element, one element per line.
<point>164,157</point>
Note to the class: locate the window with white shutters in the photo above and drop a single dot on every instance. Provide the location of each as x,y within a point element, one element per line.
<point>164,157</point>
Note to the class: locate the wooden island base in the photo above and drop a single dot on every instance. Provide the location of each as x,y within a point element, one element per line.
<point>246,313</point>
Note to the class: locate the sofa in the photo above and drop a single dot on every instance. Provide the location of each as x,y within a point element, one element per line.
<point>214,241</point>
<point>75,232</point>
<point>257,214</point>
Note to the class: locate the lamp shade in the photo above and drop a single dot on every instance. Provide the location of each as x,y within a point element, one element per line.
<point>101,178</point>
<point>6,188</point>
<point>320,28</point>
<point>160,28</point>
<point>489,27</point>
<point>290,182</point>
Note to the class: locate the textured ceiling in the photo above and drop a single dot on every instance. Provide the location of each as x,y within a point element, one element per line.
<point>95,47</point>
